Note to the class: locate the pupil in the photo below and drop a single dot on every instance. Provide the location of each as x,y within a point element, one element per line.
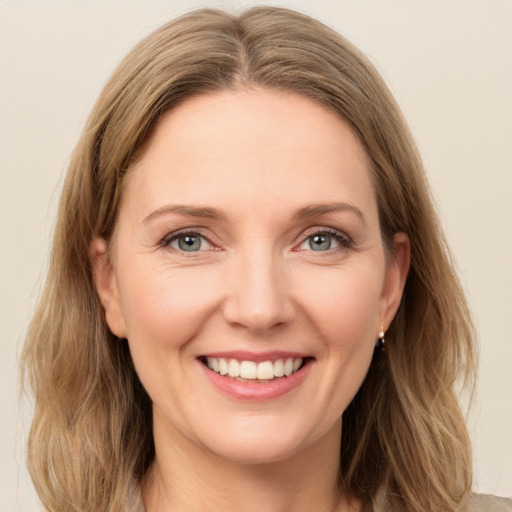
<point>320,242</point>
<point>190,243</point>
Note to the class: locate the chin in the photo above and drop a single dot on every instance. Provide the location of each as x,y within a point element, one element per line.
<point>263,442</point>
<point>254,453</point>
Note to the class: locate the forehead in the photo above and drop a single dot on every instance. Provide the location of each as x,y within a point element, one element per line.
<point>253,147</point>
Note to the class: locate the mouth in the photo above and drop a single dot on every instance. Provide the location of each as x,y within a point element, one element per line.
<point>255,377</point>
<point>248,370</point>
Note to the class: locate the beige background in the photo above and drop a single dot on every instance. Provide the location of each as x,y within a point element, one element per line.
<point>448,63</point>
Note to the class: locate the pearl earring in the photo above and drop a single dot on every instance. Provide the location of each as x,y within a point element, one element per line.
<point>381,342</point>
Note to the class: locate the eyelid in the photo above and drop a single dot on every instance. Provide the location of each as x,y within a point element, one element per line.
<point>341,236</point>
<point>174,235</point>
<point>345,240</point>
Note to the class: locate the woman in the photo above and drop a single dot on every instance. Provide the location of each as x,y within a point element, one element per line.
<point>250,303</point>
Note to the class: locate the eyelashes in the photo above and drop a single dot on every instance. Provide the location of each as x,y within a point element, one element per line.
<point>187,241</point>
<point>325,239</point>
<point>317,240</point>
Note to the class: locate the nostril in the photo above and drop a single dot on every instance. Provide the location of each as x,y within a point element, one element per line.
<point>258,319</point>
<point>258,295</point>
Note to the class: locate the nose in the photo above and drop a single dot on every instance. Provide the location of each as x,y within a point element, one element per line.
<point>258,293</point>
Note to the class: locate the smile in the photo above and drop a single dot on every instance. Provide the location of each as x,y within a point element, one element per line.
<point>252,370</point>
<point>250,376</point>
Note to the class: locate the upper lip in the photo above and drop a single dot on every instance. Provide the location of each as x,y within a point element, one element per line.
<point>257,357</point>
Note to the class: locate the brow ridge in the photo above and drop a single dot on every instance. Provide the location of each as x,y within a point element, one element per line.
<point>213,213</point>
<point>192,211</point>
<point>322,209</point>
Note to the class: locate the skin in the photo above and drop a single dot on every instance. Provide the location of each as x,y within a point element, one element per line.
<point>257,157</point>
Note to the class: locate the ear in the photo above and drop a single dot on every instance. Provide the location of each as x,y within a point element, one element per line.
<point>106,287</point>
<point>395,278</point>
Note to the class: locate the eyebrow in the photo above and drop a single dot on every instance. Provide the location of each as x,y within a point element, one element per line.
<point>191,211</point>
<point>213,213</point>
<point>321,209</point>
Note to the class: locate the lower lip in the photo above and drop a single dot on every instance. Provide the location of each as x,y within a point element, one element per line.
<point>256,390</point>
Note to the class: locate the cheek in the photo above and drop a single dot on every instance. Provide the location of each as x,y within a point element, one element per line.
<point>165,307</point>
<point>346,317</point>
<point>344,305</point>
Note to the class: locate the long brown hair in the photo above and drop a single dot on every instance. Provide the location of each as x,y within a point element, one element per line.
<point>91,436</point>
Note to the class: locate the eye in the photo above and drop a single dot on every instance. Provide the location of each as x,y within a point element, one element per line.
<point>325,240</point>
<point>187,242</point>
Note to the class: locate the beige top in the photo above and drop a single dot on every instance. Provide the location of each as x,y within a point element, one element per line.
<point>487,503</point>
<point>476,503</point>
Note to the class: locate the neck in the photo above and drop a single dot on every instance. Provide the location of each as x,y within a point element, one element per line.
<point>187,478</point>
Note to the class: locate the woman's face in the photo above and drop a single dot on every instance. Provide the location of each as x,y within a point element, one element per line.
<point>248,242</point>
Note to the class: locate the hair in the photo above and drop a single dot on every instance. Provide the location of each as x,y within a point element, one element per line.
<point>403,433</point>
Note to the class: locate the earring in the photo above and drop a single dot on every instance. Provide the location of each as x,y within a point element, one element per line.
<point>381,342</point>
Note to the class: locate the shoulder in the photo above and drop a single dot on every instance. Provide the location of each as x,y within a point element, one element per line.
<point>475,503</point>
<point>488,503</point>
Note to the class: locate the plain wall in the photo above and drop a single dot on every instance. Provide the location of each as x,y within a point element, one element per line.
<point>449,64</point>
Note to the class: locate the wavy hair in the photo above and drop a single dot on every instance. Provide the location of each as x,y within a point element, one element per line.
<point>403,433</point>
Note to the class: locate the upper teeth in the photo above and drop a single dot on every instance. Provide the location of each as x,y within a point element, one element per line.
<point>250,370</point>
